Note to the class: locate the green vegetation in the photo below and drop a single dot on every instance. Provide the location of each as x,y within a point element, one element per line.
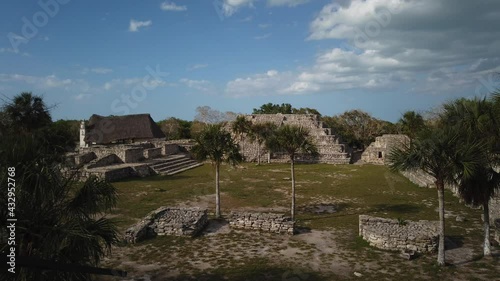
<point>353,190</point>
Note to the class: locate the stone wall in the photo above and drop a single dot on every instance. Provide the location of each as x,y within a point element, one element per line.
<point>377,151</point>
<point>495,209</point>
<point>267,222</point>
<point>168,221</point>
<point>133,155</point>
<point>153,153</point>
<point>170,149</point>
<point>497,230</point>
<point>85,158</point>
<point>105,161</point>
<point>390,234</point>
<point>330,147</point>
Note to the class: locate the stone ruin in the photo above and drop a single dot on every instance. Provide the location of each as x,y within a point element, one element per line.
<point>390,234</point>
<point>267,222</point>
<point>377,151</point>
<point>330,147</point>
<point>168,221</point>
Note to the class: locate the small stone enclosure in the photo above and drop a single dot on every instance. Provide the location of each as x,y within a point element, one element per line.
<point>267,222</point>
<point>390,234</point>
<point>168,221</point>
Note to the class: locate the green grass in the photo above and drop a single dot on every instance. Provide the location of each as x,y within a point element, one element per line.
<point>353,189</point>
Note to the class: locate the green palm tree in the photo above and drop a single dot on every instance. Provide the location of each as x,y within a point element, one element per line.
<point>436,151</point>
<point>476,120</point>
<point>241,127</point>
<point>291,140</point>
<point>58,219</point>
<point>259,132</point>
<point>216,145</point>
<point>28,112</point>
<point>411,123</point>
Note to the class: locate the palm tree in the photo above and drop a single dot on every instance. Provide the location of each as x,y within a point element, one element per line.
<point>28,112</point>
<point>411,123</point>
<point>259,132</point>
<point>216,145</point>
<point>436,151</point>
<point>476,120</point>
<point>241,126</point>
<point>58,220</point>
<point>292,140</point>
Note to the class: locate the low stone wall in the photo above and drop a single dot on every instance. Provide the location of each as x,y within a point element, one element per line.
<point>168,221</point>
<point>170,149</point>
<point>153,153</point>
<point>497,230</point>
<point>105,161</point>
<point>133,155</point>
<point>85,158</point>
<point>268,222</point>
<point>390,234</point>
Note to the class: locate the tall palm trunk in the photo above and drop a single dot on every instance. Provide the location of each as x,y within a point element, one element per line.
<point>487,245</point>
<point>293,189</point>
<point>258,153</point>
<point>217,191</point>
<point>441,255</point>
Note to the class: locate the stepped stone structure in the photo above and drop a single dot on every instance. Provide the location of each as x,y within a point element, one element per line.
<point>330,147</point>
<point>389,234</point>
<point>377,151</point>
<point>168,221</point>
<point>119,147</point>
<point>267,222</point>
<point>376,154</point>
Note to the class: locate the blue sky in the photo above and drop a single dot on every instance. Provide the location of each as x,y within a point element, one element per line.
<point>169,57</point>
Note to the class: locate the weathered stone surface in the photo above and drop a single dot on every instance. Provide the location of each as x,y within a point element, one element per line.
<point>330,147</point>
<point>497,230</point>
<point>168,221</point>
<point>390,234</point>
<point>378,150</point>
<point>268,222</point>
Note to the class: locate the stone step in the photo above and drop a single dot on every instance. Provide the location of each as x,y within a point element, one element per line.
<point>194,165</point>
<point>177,166</point>
<point>166,164</point>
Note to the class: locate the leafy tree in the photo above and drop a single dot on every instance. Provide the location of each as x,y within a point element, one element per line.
<point>27,112</point>
<point>357,127</point>
<point>241,126</point>
<point>58,219</point>
<point>438,152</point>
<point>175,128</point>
<point>259,132</point>
<point>291,140</point>
<point>270,108</point>
<point>206,114</point>
<point>475,120</point>
<point>411,123</point>
<point>216,145</point>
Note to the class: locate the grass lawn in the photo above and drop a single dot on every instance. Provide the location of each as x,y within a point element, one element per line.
<point>330,250</point>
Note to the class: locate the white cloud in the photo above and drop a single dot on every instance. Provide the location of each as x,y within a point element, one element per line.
<point>200,85</point>
<point>136,25</point>
<point>43,82</point>
<point>12,51</point>
<point>265,25</point>
<point>229,7</point>
<point>270,83</point>
<point>289,3</point>
<point>171,6</point>
<point>97,70</point>
<point>262,37</point>
<point>197,66</point>
<point>122,83</point>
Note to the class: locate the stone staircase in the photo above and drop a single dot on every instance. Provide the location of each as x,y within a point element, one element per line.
<point>173,164</point>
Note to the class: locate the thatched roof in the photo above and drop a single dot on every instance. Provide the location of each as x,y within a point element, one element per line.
<point>103,130</point>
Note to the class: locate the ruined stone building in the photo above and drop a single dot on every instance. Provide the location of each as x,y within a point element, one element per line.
<point>377,151</point>
<point>118,147</point>
<point>330,147</point>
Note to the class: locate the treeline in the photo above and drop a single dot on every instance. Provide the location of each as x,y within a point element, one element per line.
<point>356,127</point>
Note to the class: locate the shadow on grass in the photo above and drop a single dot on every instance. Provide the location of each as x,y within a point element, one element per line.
<point>254,271</point>
<point>453,242</point>
<point>396,208</point>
